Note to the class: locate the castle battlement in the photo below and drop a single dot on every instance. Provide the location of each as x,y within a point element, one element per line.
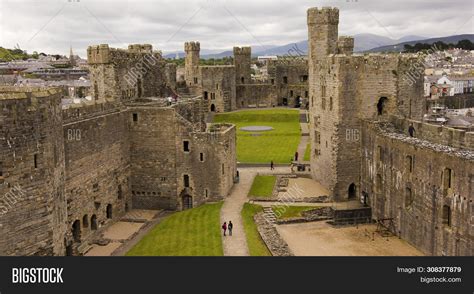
<point>192,46</point>
<point>242,51</point>
<point>325,15</point>
<point>345,45</point>
<point>98,54</point>
<point>14,92</point>
<point>438,134</point>
<point>103,54</point>
<point>140,48</point>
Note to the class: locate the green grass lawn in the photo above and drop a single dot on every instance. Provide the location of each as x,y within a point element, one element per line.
<point>283,212</point>
<point>307,153</point>
<point>262,186</point>
<point>193,232</point>
<point>278,145</point>
<point>255,243</point>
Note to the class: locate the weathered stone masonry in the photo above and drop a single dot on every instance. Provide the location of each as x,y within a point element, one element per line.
<point>74,171</point>
<point>360,109</point>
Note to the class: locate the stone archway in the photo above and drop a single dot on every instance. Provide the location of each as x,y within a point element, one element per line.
<point>76,230</point>
<point>187,202</point>
<point>213,108</point>
<point>352,191</point>
<point>93,222</point>
<point>381,105</point>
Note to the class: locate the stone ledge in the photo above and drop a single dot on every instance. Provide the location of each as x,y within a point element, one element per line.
<point>271,237</point>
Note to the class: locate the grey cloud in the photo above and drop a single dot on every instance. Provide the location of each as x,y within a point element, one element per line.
<point>217,24</point>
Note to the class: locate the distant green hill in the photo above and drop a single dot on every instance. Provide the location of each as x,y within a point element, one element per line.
<point>15,54</point>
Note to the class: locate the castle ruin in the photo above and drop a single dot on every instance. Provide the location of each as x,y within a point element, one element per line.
<point>361,107</point>
<point>70,171</point>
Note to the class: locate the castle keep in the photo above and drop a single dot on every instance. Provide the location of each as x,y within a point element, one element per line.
<point>70,171</point>
<point>361,107</point>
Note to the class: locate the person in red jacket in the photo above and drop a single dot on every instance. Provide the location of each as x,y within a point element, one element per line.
<point>224,227</point>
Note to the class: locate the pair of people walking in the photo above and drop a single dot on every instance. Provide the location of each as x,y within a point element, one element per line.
<point>226,227</point>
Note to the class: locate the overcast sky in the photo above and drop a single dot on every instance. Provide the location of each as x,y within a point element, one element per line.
<point>52,26</point>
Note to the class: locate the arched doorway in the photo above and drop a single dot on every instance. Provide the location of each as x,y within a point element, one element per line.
<point>298,102</point>
<point>187,202</point>
<point>85,221</point>
<point>76,231</point>
<point>285,101</point>
<point>109,211</point>
<point>351,192</point>
<point>213,108</point>
<point>93,222</point>
<point>381,105</point>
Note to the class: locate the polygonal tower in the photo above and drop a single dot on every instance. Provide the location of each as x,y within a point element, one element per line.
<point>192,63</point>
<point>242,59</point>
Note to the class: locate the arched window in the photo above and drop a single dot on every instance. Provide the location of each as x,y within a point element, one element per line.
<point>93,222</point>
<point>352,191</point>
<point>85,221</point>
<point>381,105</point>
<point>76,231</point>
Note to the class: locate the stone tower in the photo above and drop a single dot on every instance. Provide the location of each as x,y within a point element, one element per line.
<point>242,58</point>
<point>32,170</point>
<point>126,74</point>
<point>322,32</point>
<point>325,115</point>
<point>192,63</point>
<point>344,91</point>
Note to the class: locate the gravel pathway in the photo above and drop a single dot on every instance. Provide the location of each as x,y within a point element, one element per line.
<point>236,245</point>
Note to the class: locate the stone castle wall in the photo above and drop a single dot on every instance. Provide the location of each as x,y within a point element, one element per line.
<point>218,87</point>
<point>345,89</point>
<point>32,171</point>
<point>97,182</point>
<point>420,184</point>
<point>256,95</point>
<point>360,109</point>
<point>127,74</point>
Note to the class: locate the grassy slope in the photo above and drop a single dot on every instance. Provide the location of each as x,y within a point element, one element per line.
<point>262,186</point>
<point>255,243</point>
<point>193,232</point>
<point>278,145</point>
<point>307,152</point>
<point>282,212</point>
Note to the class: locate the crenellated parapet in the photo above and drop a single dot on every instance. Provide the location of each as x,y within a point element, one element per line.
<point>242,51</point>
<point>192,46</point>
<point>345,45</point>
<point>325,15</point>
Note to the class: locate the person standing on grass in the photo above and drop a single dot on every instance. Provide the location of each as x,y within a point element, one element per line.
<point>230,226</point>
<point>224,227</point>
<point>296,156</point>
<point>271,165</point>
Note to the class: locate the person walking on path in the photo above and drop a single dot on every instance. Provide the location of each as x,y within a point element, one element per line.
<point>296,156</point>
<point>224,227</point>
<point>271,165</point>
<point>230,226</point>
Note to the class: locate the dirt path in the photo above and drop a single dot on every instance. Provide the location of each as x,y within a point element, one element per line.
<point>236,245</point>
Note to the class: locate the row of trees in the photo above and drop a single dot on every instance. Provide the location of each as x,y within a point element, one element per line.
<point>463,44</point>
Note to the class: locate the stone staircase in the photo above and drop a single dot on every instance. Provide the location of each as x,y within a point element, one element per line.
<point>269,215</point>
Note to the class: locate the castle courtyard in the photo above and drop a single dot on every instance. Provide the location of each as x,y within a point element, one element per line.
<point>323,239</point>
